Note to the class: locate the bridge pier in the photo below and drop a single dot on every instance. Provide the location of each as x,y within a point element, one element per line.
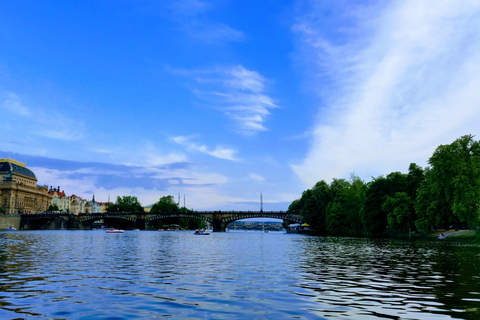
<point>217,224</point>
<point>141,224</point>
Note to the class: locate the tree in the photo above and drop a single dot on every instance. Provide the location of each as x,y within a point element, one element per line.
<point>126,204</point>
<point>165,204</point>
<point>313,205</point>
<point>415,178</point>
<point>400,207</point>
<point>2,210</point>
<point>53,207</point>
<point>336,213</point>
<point>400,215</point>
<point>374,217</point>
<point>455,175</point>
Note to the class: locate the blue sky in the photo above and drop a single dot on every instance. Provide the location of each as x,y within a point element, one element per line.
<point>220,100</point>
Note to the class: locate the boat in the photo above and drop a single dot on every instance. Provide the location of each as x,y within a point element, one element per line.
<point>115,231</point>
<point>10,229</point>
<point>201,233</point>
<point>299,228</point>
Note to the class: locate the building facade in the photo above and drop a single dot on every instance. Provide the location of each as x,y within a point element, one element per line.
<point>59,199</point>
<point>19,192</point>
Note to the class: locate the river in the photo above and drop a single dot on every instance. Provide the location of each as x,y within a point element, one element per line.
<point>234,275</point>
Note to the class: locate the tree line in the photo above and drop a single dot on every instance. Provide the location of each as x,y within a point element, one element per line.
<point>445,194</point>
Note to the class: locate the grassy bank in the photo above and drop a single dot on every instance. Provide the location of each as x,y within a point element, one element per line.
<point>456,234</point>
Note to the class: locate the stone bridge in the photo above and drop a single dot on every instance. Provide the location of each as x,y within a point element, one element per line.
<point>145,220</point>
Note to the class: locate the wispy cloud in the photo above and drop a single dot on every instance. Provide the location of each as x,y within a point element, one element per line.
<point>193,17</point>
<point>256,177</point>
<point>13,104</point>
<point>239,93</point>
<point>405,81</point>
<point>212,32</point>
<point>218,152</point>
<point>42,121</point>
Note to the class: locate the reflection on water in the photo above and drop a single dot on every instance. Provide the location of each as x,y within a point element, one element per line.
<point>239,275</point>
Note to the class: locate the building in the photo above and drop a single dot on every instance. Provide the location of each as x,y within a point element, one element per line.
<point>79,205</point>
<point>19,192</point>
<point>60,199</point>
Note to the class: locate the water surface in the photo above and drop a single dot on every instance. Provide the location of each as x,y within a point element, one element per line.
<point>234,275</point>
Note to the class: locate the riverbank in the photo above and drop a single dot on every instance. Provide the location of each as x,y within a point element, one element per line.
<point>456,234</point>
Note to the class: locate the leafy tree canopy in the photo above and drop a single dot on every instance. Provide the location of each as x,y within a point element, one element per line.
<point>455,175</point>
<point>53,207</point>
<point>126,204</point>
<point>165,204</point>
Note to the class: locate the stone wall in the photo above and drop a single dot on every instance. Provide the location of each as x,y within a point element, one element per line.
<point>7,221</point>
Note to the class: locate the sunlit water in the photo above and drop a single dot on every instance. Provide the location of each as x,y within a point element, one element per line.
<point>234,275</point>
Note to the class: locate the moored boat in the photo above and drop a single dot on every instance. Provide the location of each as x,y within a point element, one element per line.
<point>115,231</point>
<point>299,228</point>
<point>10,229</point>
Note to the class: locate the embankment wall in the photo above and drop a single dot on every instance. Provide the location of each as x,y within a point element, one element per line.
<point>7,221</point>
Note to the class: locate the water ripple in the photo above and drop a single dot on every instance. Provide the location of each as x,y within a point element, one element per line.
<point>236,275</point>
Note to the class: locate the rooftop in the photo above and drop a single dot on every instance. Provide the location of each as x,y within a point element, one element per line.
<point>9,165</point>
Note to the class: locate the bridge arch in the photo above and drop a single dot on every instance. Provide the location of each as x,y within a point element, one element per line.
<point>159,216</point>
<point>85,222</point>
<point>44,222</point>
<point>224,218</point>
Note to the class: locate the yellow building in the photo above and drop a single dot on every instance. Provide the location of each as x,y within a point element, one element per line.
<point>19,192</point>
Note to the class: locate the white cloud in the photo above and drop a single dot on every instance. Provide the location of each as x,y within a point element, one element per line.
<point>218,152</point>
<point>409,84</point>
<point>256,177</point>
<point>215,32</point>
<point>13,104</point>
<point>240,94</point>
<point>50,124</point>
<point>192,16</point>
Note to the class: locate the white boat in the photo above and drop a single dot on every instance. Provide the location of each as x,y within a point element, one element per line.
<point>115,231</point>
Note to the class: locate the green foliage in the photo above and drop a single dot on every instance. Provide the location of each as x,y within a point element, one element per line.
<point>312,205</point>
<point>336,213</point>
<point>126,204</point>
<point>455,174</point>
<point>444,194</point>
<point>400,215</point>
<point>431,206</point>
<point>375,218</point>
<point>165,204</point>
<point>53,207</point>
<point>332,209</point>
<point>2,210</point>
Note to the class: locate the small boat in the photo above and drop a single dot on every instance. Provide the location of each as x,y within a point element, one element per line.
<point>299,228</point>
<point>10,229</point>
<point>201,233</point>
<point>160,229</point>
<point>115,231</point>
